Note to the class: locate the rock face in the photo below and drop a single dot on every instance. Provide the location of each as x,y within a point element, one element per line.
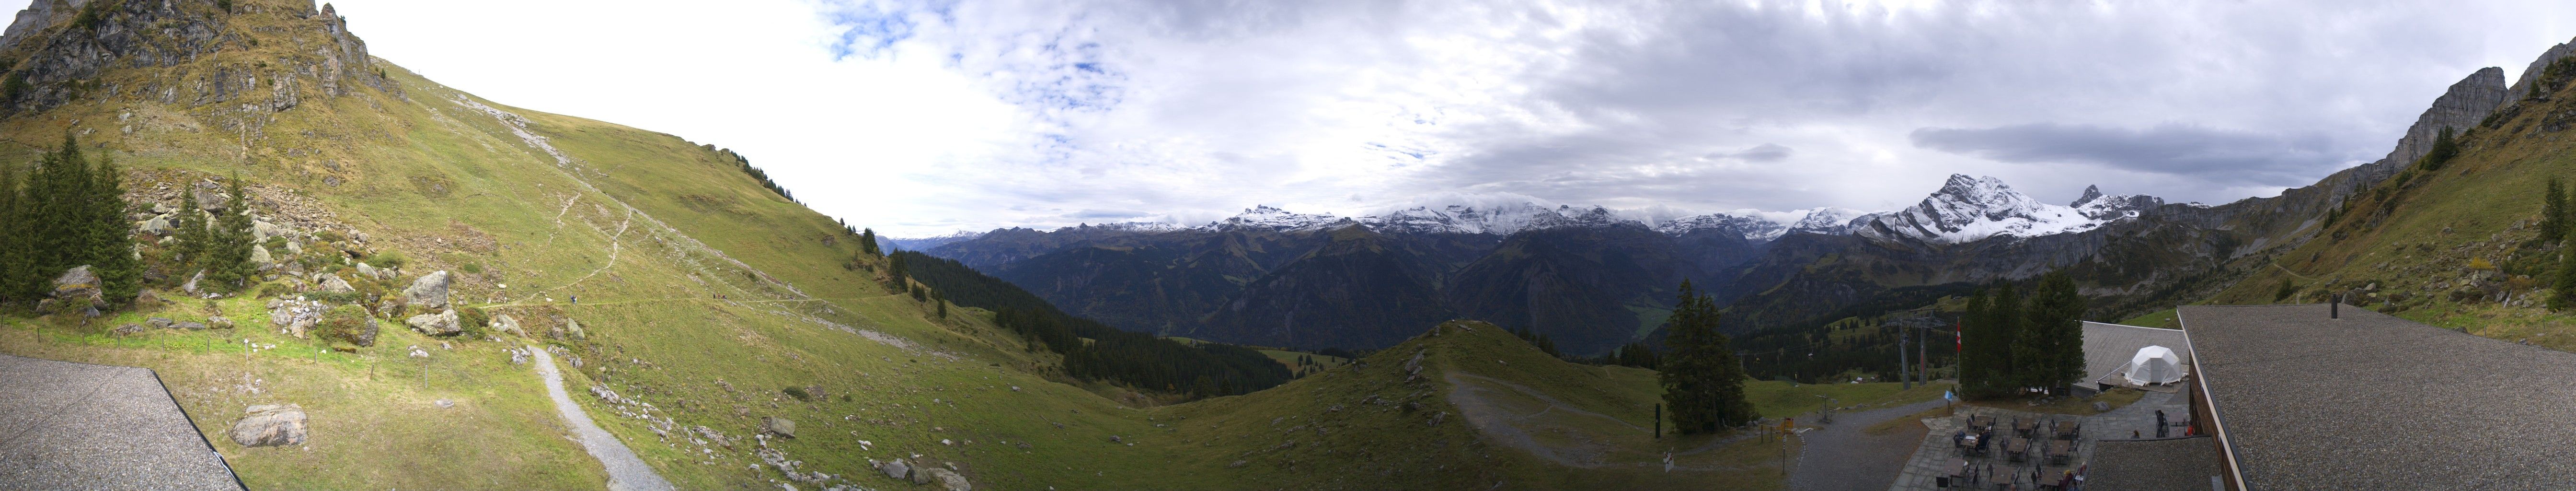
<point>2460,108</point>
<point>2521,85</point>
<point>430,291</point>
<point>38,15</point>
<point>270,425</point>
<point>439,324</point>
<point>778,426</point>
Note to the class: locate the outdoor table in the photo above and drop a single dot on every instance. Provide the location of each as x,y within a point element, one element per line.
<point>2060,451</point>
<point>2018,448</point>
<point>1981,421</point>
<point>1957,467</point>
<point>2022,427</point>
<point>2066,430</point>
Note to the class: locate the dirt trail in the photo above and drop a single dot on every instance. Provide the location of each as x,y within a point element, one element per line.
<point>1843,455</point>
<point>1503,426</point>
<point>625,471</point>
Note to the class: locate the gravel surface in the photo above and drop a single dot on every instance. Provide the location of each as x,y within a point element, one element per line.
<point>76,426</point>
<point>2371,401</point>
<point>1840,456</point>
<point>625,471</point>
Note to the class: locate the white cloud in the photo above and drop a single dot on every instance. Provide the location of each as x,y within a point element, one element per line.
<point>920,117</point>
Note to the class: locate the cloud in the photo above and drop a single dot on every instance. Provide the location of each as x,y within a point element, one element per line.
<point>979,114</point>
<point>2213,154</point>
<point>1767,152</point>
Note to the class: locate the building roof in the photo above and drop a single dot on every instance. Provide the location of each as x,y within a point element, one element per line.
<point>2371,401</point>
<point>2165,464</point>
<point>2107,347</point>
<point>82,426</point>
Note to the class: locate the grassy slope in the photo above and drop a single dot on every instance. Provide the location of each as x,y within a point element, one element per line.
<point>447,185</point>
<point>2478,207</point>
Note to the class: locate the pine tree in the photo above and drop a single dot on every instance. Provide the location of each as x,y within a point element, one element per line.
<point>1990,339</point>
<point>228,263</point>
<point>1703,383</point>
<point>2051,347</point>
<point>868,242</point>
<point>2562,293</point>
<point>189,236</point>
<point>111,241</point>
<point>17,263</point>
<point>2553,212</point>
<point>940,301</point>
<point>2444,148</point>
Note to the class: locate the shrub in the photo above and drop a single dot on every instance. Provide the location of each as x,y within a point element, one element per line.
<point>388,259</point>
<point>470,268</point>
<point>798,393</point>
<point>342,323</point>
<point>473,318</point>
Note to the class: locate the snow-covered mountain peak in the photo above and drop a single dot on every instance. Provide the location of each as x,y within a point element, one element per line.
<point>1827,220</point>
<point>1751,228</point>
<point>1270,218</point>
<point>1971,208</point>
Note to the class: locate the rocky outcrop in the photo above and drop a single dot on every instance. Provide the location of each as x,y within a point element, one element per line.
<point>331,283</point>
<point>430,291</point>
<point>2522,85</point>
<point>505,323</point>
<point>948,480</point>
<point>270,425</point>
<point>39,15</point>
<point>440,324</point>
<point>774,425</point>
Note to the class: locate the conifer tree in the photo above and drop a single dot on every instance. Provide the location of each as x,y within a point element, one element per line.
<point>2051,348</point>
<point>111,241</point>
<point>1990,339</point>
<point>1703,383</point>
<point>18,275</point>
<point>228,260</point>
<point>2562,293</point>
<point>868,242</point>
<point>189,236</point>
<point>2553,212</point>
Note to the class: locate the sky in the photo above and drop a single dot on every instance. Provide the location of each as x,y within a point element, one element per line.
<point>920,118</point>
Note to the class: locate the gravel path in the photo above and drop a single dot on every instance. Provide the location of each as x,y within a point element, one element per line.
<point>625,472</point>
<point>1840,456</point>
<point>77,426</point>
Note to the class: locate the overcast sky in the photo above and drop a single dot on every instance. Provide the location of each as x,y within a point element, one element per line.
<point>920,118</point>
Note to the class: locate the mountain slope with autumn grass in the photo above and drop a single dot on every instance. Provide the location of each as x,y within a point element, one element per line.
<point>2453,242</point>
<point>708,302</point>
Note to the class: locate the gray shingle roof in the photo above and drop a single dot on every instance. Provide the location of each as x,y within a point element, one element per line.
<point>2371,401</point>
<point>81,426</point>
<point>2109,346</point>
<point>2174,464</point>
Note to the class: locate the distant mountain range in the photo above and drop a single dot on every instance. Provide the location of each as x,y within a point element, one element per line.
<point>1591,280</point>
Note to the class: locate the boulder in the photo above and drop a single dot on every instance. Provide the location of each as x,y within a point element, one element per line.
<point>368,271</point>
<point>218,322</point>
<point>191,287</point>
<point>430,291</point>
<point>270,425</point>
<point>573,328</point>
<point>947,479</point>
<point>191,325</point>
<point>294,248</point>
<point>505,323</point>
<point>127,330</point>
<point>79,282</point>
<point>778,426</point>
<point>439,324</point>
<point>159,322</point>
<point>331,283</point>
<point>158,226</point>
<point>895,469</point>
<point>261,230</point>
<point>367,335</point>
<point>259,257</point>
<point>210,200</point>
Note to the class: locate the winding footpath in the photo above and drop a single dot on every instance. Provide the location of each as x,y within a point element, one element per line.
<point>625,471</point>
<point>1844,456</point>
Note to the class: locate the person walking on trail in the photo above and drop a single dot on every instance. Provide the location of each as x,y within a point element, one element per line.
<point>2160,423</point>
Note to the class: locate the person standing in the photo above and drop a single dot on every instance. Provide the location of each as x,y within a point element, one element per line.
<point>2160,423</point>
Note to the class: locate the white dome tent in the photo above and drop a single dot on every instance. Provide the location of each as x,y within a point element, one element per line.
<point>2154,365</point>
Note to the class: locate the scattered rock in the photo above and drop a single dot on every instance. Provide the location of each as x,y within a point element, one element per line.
<point>259,257</point>
<point>128,330</point>
<point>947,479</point>
<point>159,322</point>
<point>443,403</point>
<point>430,291</point>
<point>261,230</point>
<point>895,469</point>
<point>158,226</point>
<point>210,200</point>
<point>79,282</point>
<point>778,426</point>
<point>218,322</point>
<point>369,271</point>
<point>294,248</point>
<point>270,425</point>
<point>573,328</point>
<point>192,325</point>
<point>191,287</point>
<point>2099,406</point>
<point>439,324</point>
